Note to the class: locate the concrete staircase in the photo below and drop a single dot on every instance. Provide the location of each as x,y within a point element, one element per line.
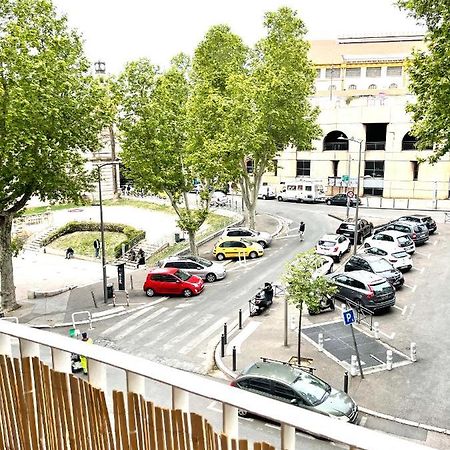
<point>149,249</point>
<point>34,244</point>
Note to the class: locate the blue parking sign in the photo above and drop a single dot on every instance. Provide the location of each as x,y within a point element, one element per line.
<point>348,316</point>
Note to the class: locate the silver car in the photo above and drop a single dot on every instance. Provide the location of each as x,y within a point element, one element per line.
<point>261,237</point>
<point>195,265</point>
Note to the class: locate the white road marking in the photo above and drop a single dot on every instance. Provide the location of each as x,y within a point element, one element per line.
<point>363,421</point>
<point>389,336</point>
<point>242,336</point>
<point>435,242</point>
<point>404,310</point>
<point>123,322</point>
<point>138,324</point>
<point>419,270</point>
<point>413,288</point>
<point>289,236</point>
<point>271,425</point>
<point>428,255</point>
<point>411,309</point>
<point>202,336</point>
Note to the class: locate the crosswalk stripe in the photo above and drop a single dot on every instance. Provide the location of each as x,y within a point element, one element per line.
<point>123,322</point>
<point>141,322</point>
<point>202,336</point>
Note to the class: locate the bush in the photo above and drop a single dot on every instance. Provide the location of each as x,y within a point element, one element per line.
<point>132,234</point>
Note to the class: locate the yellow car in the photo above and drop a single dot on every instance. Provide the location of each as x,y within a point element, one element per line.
<point>235,248</point>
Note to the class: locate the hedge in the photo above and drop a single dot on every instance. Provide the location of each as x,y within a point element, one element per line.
<point>132,234</point>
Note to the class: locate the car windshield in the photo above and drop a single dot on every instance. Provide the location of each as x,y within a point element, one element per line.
<point>201,260</point>
<point>311,388</point>
<point>400,254</point>
<point>382,288</point>
<point>380,265</point>
<point>182,275</point>
<point>327,243</point>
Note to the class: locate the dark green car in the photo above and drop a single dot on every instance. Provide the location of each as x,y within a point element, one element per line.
<point>290,384</point>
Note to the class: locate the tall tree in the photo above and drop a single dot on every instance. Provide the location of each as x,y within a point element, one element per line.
<point>302,287</point>
<point>50,112</point>
<point>429,77</point>
<point>154,129</point>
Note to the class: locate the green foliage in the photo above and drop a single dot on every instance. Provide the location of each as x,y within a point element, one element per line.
<point>429,79</point>
<point>302,287</point>
<point>133,236</point>
<point>18,241</point>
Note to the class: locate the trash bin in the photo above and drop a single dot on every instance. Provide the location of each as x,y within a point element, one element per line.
<point>110,290</point>
<point>177,237</point>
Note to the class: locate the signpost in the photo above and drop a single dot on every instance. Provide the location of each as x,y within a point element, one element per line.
<point>348,316</point>
<point>350,194</point>
<point>345,178</point>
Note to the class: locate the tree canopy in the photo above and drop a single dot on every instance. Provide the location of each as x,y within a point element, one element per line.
<point>429,77</point>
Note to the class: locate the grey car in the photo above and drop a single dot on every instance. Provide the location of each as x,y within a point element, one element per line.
<point>417,232</point>
<point>195,265</point>
<point>290,384</point>
<point>261,237</point>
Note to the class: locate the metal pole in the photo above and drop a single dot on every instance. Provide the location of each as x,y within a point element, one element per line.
<point>346,382</point>
<point>355,234</point>
<point>286,343</point>
<point>222,345</point>
<point>234,359</point>
<point>225,332</point>
<point>357,352</point>
<point>240,319</point>
<point>102,233</point>
<point>348,183</point>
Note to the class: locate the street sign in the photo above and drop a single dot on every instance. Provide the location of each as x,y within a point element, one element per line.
<point>350,194</point>
<point>345,178</point>
<point>348,316</point>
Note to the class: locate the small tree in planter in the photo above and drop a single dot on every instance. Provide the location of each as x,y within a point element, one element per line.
<point>303,287</point>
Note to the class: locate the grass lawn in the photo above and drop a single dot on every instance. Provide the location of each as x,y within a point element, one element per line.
<point>83,243</point>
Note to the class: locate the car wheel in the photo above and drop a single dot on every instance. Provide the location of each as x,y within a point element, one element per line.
<point>149,292</point>
<point>328,202</point>
<point>220,256</point>
<point>280,198</point>
<point>210,278</point>
<point>338,257</point>
<point>311,312</point>
<point>366,245</point>
<point>187,293</point>
<point>253,255</point>
<point>264,197</point>
<point>331,269</point>
<point>262,244</point>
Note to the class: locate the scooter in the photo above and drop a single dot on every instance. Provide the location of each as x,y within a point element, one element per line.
<point>326,303</point>
<point>262,300</point>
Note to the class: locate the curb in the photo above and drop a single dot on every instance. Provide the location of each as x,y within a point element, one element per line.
<point>43,294</point>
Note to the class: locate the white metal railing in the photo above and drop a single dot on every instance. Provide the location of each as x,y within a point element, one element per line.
<point>183,383</point>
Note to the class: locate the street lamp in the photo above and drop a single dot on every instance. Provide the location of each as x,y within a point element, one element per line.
<point>355,233</point>
<point>102,228</point>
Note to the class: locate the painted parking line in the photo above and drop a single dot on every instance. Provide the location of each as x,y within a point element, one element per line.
<point>427,255</point>
<point>289,236</point>
<point>413,287</point>
<point>400,309</point>
<point>435,242</point>
<point>389,336</point>
<point>421,269</point>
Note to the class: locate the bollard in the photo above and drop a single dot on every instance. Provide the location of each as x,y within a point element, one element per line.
<point>407,203</point>
<point>225,332</point>
<point>240,319</point>
<point>413,352</point>
<point>354,366</point>
<point>389,359</point>
<point>131,282</point>
<point>320,342</point>
<point>234,359</point>
<point>346,382</point>
<point>127,298</point>
<point>376,330</point>
<point>222,345</point>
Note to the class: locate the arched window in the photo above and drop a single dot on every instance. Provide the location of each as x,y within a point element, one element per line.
<point>334,141</point>
<point>352,87</point>
<point>409,142</point>
<point>393,86</point>
<point>373,86</point>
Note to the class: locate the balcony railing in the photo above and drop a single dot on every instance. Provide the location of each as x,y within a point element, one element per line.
<point>335,145</point>
<point>375,145</point>
<point>35,409</point>
<point>409,145</point>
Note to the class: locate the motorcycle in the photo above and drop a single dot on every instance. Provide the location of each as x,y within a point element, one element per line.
<point>326,303</point>
<point>262,300</point>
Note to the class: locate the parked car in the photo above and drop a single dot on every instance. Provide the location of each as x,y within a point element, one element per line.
<point>333,245</point>
<point>172,281</point>
<point>391,240</point>
<point>422,219</point>
<point>230,248</point>
<point>293,385</point>
<point>261,237</point>
<point>347,228</point>
<point>341,200</point>
<point>375,264</point>
<point>218,198</point>
<point>398,258</point>
<point>267,193</point>
<point>365,288</point>
<point>195,265</point>
<point>417,232</point>
<point>325,267</point>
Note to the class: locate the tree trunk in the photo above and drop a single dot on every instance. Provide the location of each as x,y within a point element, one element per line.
<point>192,245</point>
<point>299,336</point>
<point>7,288</point>
<point>251,214</point>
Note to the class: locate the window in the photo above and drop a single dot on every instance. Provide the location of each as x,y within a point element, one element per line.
<point>378,192</point>
<point>373,72</point>
<point>303,168</point>
<point>332,87</point>
<point>394,71</point>
<point>333,72</point>
<point>372,86</point>
<point>374,169</point>
<point>352,87</point>
<point>249,164</point>
<point>415,170</point>
<point>353,72</point>
<point>318,72</point>
<point>393,86</point>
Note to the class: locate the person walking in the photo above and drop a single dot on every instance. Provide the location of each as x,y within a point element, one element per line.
<point>141,258</point>
<point>83,359</point>
<point>97,248</point>
<point>301,230</point>
<point>69,253</point>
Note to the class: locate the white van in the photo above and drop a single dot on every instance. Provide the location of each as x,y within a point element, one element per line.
<point>302,191</point>
<point>267,193</point>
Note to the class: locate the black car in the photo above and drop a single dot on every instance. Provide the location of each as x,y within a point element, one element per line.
<point>416,231</point>
<point>422,219</point>
<point>365,288</point>
<point>347,228</point>
<point>341,200</point>
<point>375,264</point>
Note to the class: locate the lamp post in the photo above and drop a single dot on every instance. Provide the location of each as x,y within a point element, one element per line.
<point>355,233</point>
<point>102,228</point>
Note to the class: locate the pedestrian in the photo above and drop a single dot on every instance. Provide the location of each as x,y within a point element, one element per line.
<point>132,255</point>
<point>83,359</point>
<point>141,258</point>
<point>97,247</point>
<point>301,230</point>
<point>69,253</point>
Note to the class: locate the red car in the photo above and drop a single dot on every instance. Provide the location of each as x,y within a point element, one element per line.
<point>172,281</point>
